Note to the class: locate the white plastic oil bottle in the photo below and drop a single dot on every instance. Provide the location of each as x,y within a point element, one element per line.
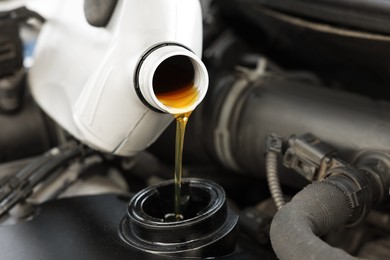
<point>106,85</point>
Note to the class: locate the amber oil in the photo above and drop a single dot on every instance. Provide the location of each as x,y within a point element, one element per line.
<point>177,92</point>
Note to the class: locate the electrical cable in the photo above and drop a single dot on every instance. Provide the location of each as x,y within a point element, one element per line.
<point>271,163</point>
<point>22,184</point>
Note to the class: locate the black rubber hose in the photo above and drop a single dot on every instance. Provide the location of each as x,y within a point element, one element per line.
<point>277,104</point>
<point>313,212</point>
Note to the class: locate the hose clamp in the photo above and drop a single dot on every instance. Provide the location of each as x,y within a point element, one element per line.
<point>354,185</point>
<point>222,138</point>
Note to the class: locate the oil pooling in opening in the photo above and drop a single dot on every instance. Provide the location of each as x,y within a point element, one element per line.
<point>176,92</point>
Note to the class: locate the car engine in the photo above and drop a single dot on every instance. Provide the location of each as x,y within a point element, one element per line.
<point>197,129</point>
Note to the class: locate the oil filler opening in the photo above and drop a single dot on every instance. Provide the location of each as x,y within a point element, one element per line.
<point>207,221</point>
<point>160,204</point>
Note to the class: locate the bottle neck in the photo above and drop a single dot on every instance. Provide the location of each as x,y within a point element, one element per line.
<point>171,79</point>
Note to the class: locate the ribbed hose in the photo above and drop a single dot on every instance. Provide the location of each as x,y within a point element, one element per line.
<point>271,163</point>
<point>313,212</point>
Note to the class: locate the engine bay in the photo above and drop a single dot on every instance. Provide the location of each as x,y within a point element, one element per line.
<point>285,157</point>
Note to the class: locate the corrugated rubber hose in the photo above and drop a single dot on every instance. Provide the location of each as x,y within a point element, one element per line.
<point>313,212</point>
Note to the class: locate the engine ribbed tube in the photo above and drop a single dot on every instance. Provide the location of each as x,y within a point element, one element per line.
<point>313,212</point>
